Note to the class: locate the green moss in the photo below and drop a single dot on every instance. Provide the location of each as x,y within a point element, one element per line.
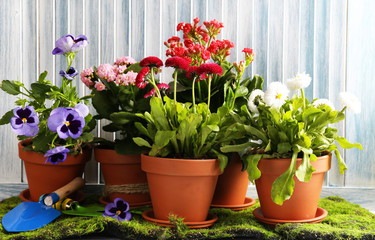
<point>344,221</point>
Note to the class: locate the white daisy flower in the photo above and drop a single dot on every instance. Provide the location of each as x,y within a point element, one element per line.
<point>254,100</point>
<point>276,94</point>
<point>350,101</point>
<point>320,102</point>
<point>301,80</point>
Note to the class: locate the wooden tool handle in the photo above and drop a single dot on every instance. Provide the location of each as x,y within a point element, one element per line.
<point>74,185</point>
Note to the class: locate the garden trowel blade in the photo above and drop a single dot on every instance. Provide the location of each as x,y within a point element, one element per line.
<point>29,216</point>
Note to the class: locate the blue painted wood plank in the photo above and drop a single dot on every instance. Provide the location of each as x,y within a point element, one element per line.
<point>153,41</point>
<point>199,9</point>
<point>138,29</point>
<point>123,26</point>
<point>229,32</point>
<point>61,28</point>
<point>360,81</point>
<point>337,69</point>
<point>306,52</point>
<point>47,41</point>
<point>275,41</point>
<point>245,31</point>
<point>291,39</point>
<point>168,29</point>
<point>261,39</point>
<point>91,58</point>
<point>11,69</point>
<point>321,49</point>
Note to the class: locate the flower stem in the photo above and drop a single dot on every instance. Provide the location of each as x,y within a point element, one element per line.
<point>154,84</point>
<point>175,87</point>
<point>209,91</point>
<point>193,96</point>
<point>303,98</point>
<point>199,91</point>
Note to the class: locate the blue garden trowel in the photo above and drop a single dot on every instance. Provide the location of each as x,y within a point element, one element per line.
<point>32,215</point>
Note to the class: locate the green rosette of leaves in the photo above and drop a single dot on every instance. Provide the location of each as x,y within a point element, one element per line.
<point>280,127</point>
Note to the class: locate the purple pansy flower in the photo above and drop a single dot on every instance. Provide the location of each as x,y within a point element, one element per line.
<point>56,155</point>
<point>25,121</point>
<point>118,210</point>
<point>66,122</point>
<point>68,43</point>
<point>70,74</point>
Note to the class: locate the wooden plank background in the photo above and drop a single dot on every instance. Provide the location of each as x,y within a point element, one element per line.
<point>330,40</point>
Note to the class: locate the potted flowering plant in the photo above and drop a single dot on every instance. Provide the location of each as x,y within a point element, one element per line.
<point>53,124</point>
<point>117,98</point>
<point>296,137</point>
<point>199,44</point>
<point>184,134</point>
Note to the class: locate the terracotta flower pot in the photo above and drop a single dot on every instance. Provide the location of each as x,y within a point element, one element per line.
<point>231,187</point>
<point>45,177</point>
<point>182,187</point>
<point>123,176</point>
<point>304,201</point>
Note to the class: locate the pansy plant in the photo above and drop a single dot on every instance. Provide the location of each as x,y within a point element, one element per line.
<point>283,127</point>
<point>55,117</point>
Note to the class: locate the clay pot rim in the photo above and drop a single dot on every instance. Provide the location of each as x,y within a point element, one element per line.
<point>32,157</point>
<point>119,160</point>
<point>183,159</point>
<point>329,154</point>
<point>178,167</point>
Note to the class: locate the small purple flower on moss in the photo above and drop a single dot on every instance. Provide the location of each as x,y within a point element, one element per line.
<point>70,74</point>
<point>66,122</point>
<point>68,43</point>
<point>25,121</point>
<point>56,155</point>
<point>119,210</point>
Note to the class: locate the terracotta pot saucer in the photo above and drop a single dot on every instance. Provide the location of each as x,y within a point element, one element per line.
<point>25,196</point>
<point>148,215</point>
<point>321,213</point>
<point>105,201</point>
<point>248,203</point>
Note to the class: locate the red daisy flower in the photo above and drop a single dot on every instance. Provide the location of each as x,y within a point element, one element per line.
<point>140,79</point>
<point>151,62</point>
<point>163,86</point>
<point>210,68</point>
<point>150,93</point>
<point>177,62</point>
<point>191,72</point>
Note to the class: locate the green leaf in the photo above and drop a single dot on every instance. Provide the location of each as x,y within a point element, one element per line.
<point>42,77</point>
<point>123,117</point>
<point>5,119</point>
<point>235,148</point>
<point>305,170</point>
<point>141,142</point>
<point>158,114</point>
<point>284,147</point>
<point>10,87</point>
<point>128,147</point>
<point>282,187</point>
<point>342,164</point>
<point>347,145</point>
<point>252,166</point>
<point>162,138</point>
<point>104,104</point>
<point>222,158</point>
<point>142,129</point>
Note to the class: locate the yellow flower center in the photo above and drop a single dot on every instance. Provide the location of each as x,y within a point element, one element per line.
<point>67,124</point>
<point>24,120</point>
<point>118,212</point>
<point>278,96</point>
